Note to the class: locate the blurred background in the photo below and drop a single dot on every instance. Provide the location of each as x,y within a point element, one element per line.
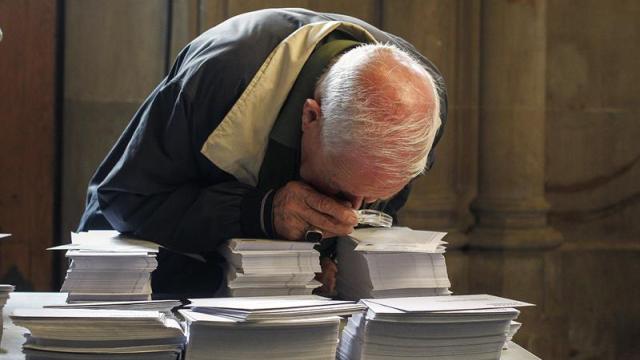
<point>537,178</point>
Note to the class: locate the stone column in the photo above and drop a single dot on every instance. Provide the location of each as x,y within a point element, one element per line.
<point>510,207</point>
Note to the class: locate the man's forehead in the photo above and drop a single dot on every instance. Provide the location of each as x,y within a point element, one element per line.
<point>353,176</point>
<point>367,187</point>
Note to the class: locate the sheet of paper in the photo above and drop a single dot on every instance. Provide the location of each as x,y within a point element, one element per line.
<point>115,304</point>
<point>449,303</point>
<point>112,351</point>
<point>400,239</point>
<point>203,317</point>
<point>102,254</point>
<point>51,313</point>
<point>260,244</point>
<point>253,304</point>
<point>5,288</point>
<point>107,241</point>
<point>4,235</point>
<point>382,309</point>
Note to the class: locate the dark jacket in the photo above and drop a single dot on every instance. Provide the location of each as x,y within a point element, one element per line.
<point>156,183</point>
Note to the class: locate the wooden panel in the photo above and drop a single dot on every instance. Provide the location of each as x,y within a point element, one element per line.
<point>27,141</point>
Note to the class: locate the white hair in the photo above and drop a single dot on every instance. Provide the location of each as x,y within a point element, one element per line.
<point>379,103</point>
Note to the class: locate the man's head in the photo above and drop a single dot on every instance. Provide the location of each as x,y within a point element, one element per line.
<point>369,129</point>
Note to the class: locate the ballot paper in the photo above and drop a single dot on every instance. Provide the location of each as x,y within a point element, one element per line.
<point>262,309</point>
<point>261,244</point>
<point>398,239</point>
<point>107,266</point>
<point>107,241</point>
<point>278,290</point>
<point>448,303</point>
<point>5,290</point>
<point>265,328</point>
<point>514,326</point>
<point>270,267</point>
<point>393,262</point>
<point>163,306</point>
<point>464,327</point>
<point>2,236</point>
<point>99,334</point>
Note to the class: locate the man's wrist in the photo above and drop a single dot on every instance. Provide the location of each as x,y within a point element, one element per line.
<point>256,218</point>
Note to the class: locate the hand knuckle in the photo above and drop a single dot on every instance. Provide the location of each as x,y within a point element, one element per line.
<point>323,204</point>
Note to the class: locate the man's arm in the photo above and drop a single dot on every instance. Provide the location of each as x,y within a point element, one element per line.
<point>156,184</point>
<point>163,190</point>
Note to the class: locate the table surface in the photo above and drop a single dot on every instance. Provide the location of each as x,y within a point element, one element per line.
<point>13,336</point>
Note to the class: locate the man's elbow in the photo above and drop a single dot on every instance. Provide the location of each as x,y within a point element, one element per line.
<point>119,209</point>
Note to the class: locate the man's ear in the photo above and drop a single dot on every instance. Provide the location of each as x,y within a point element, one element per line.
<point>310,113</point>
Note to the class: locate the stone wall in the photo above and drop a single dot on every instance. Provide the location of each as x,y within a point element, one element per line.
<point>593,120</point>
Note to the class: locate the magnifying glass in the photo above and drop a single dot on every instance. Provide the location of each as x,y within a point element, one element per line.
<point>369,217</point>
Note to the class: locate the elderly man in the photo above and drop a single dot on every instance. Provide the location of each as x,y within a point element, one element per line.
<point>268,125</point>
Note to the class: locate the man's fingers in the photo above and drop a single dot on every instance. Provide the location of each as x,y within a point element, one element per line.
<point>329,270</point>
<point>297,207</point>
<point>324,222</point>
<point>331,207</point>
<point>327,277</point>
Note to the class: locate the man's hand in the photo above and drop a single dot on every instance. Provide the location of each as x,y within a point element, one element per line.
<point>297,207</point>
<point>327,277</point>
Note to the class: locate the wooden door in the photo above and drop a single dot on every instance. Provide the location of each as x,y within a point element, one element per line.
<point>28,146</point>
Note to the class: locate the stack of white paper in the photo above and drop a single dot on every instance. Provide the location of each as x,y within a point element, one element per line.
<point>5,290</point>
<point>514,326</point>
<point>435,328</point>
<point>250,328</point>
<point>391,262</point>
<point>106,266</point>
<point>270,267</point>
<point>100,334</point>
